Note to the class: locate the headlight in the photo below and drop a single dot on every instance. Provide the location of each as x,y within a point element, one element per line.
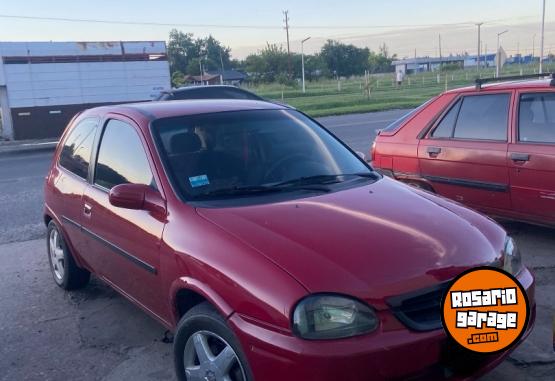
<point>322,316</point>
<point>512,262</point>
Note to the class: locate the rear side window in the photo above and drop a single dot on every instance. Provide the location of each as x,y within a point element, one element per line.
<point>76,151</point>
<point>536,119</point>
<point>445,128</point>
<point>393,127</point>
<point>121,157</point>
<point>476,117</point>
<point>483,117</point>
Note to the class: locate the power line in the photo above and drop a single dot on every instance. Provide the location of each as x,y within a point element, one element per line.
<point>234,26</point>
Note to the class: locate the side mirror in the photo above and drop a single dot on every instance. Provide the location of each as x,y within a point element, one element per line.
<point>137,197</point>
<point>361,154</point>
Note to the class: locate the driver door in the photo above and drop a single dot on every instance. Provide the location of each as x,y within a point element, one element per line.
<point>127,242</point>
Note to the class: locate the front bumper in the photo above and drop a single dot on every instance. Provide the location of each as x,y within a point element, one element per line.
<point>392,355</point>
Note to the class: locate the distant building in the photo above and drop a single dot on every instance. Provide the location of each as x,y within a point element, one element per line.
<point>44,84</point>
<point>486,60</point>
<point>231,77</point>
<point>417,65</point>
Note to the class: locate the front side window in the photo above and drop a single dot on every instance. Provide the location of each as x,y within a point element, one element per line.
<point>483,117</point>
<point>216,154</point>
<point>536,119</point>
<point>76,151</point>
<point>121,157</point>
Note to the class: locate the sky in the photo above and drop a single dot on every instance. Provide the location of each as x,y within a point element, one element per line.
<point>407,27</point>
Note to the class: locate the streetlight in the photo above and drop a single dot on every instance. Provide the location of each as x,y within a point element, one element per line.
<point>542,38</point>
<point>498,66</point>
<point>302,60</point>
<point>479,25</point>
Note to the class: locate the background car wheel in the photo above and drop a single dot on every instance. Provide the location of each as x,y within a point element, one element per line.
<point>206,349</point>
<point>66,273</point>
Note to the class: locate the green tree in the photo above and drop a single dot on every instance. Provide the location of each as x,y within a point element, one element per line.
<point>344,59</point>
<point>381,62</point>
<point>184,52</point>
<point>181,48</point>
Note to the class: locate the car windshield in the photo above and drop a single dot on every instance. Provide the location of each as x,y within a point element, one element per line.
<point>245,152</point>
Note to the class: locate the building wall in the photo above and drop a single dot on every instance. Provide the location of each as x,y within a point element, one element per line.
<point>47,83</point>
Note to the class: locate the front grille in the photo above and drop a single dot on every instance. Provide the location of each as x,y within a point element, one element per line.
<point>420,310</point>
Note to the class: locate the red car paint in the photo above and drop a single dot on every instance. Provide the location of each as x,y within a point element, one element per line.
<point>486,175</point>
<point>254,263</point>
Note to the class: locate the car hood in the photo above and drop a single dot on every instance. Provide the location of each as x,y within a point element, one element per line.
<point>372,242</point>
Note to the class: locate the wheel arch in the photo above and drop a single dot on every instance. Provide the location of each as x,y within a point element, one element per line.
<point>187,292</point>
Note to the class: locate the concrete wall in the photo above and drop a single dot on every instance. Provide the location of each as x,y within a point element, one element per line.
<point>53,78</point>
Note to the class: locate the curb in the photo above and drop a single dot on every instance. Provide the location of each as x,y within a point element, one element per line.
<point>17,149</point>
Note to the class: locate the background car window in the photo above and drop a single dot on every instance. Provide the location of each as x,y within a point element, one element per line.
<point>537,118</point>
<point>76,151</point>
<point>213,93</point>
<point>483,117</point>
<point>121,157</point>
<point>445,127</point>
<point>399,122</point>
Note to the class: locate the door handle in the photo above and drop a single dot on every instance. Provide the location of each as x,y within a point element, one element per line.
<point>520,157</point>
<point>433,151</point>
<point>87,209</point>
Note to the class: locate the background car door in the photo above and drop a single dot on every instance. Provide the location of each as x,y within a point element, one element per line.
<point>127,241</point>
<point>532,157</point>
<point>465,154</point>
<point>70,181</point>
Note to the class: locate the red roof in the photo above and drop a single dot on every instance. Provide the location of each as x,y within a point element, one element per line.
<point>168,109</point>
<point>509,85</point>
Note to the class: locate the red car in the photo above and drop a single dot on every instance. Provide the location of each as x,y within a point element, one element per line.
<point>271,249</point>
<point>491,147</point>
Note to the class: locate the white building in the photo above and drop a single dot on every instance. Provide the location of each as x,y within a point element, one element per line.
<point>44,84</point>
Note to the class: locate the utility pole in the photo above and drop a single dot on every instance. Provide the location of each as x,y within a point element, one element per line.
<point>302,60</point>
<point>440,56</point>
<point>542,38</point>
<point>479,25</point>
<point>286,20</point>
<point>533,46</point>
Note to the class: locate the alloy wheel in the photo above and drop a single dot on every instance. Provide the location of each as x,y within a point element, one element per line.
<point>208,357</point>
<point>56,254</point>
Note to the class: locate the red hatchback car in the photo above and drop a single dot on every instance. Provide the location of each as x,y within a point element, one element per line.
<point>491,147</point>
<point>271,249</point>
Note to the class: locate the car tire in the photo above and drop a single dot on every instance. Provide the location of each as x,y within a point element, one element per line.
<point>65,271</point>
<point>203,327</point>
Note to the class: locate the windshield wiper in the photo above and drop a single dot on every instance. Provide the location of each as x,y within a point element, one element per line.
<point>310,183</point>
<point>244,190</point>
<point>325,179</point>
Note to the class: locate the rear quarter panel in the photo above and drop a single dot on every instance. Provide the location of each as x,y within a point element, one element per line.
<point>398,151</point>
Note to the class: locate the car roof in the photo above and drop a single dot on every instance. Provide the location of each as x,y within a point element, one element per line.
<point>508,85</point>
<point>197,87</point>
<point>175,108</point>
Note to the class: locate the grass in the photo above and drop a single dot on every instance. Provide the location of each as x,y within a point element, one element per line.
<point>324,97</point>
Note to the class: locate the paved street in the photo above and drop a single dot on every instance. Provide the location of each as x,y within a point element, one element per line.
<point>95,334</point>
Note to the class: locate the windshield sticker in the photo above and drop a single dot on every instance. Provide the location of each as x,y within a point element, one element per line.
<point>199,181</point>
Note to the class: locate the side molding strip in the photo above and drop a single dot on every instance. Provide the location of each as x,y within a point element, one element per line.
<point>113,247</point>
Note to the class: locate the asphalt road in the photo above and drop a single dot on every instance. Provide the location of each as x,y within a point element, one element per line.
<point>95,334</point>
